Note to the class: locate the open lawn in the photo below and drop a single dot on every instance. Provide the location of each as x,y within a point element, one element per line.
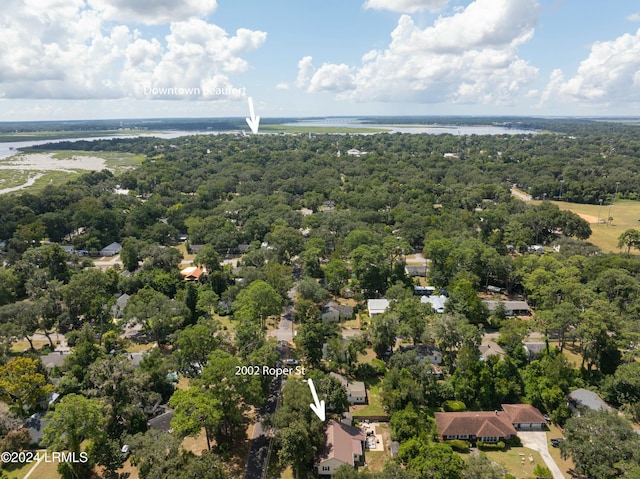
<point>23,346</point>
<point>374,408</point>
<point>375,460</point>
<point>44,470</point>
<point>140,348</point>
<point>625,214</point>
<point>511,460</point>
<point>571,352</point>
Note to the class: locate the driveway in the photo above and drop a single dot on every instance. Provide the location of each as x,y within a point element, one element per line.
<point>538,442</point>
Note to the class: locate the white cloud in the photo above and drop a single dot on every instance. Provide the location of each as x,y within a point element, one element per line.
<point>78,54</point>
<point>152,11</point>
<point>610,75</point>
<point>470,56</point>
<point>634,17</point>
<point>283,86</point>
<point>406,6</point>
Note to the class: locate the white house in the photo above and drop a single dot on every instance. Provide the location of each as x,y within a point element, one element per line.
<point>345,445</point>
<point>437,302</point>
<point>511,308</point>
<point>356,390</point>
<point>425,352</point>
<point>377,306</point>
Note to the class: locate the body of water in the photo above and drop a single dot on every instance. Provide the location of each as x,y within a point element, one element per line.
<point>416,129</point>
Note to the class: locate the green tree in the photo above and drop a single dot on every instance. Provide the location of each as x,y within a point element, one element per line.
<point>257,302</point>
<point>598,440</point>
<point>155,312</point>
<point>383,331</point>
<point>74,420</point>
<point>23,383</point>
<point>464,300</point>
<point>336,275</point>
<point>209,258</point>
<point>629,239</point>
<point>194,344</point>
<point>479,466</point>
<point>195,408</point>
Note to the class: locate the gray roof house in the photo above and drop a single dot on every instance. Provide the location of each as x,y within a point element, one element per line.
<point>511,308</point>
<point>111,250</point>
<point>585,399</point>
<point>35,425</point>
<point>118,308</point>
<point>356,390</point>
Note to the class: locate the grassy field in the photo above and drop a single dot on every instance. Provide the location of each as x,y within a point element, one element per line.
<point>625,214</point>
<point>44,470</point>
<point>11,178</point>
<point>48,173</point>
<point>511,460</point>
<point>374,408</point>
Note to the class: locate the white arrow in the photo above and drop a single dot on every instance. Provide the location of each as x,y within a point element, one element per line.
<point>318,407</point>
<point>253,121</point>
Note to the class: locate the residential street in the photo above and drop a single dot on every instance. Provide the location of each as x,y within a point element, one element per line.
<point>259,451</point>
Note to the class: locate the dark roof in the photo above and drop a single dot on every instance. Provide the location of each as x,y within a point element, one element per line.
<point>35,424</point>
<point>479,424</point>
<point>161,422</point>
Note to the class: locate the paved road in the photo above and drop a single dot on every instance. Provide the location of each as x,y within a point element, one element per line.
<point>285,330</point>
<point>538,442</point>
<point>257,461</point>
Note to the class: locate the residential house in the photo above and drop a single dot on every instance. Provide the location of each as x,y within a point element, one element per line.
<point>485,426</point>
<point>425,352</point>
<point>416,270</point>
<point>329,314</point>
<point>525,417</point>
<point>356,152</point>
<point>111,250</point>
<point>193,273</point>
<point>356,390</point>
<point>161,422</point>
<point>35,424</point>
<point>377,306</point>
<point>345,445</point>
<point>117,310</point>
<point>490,348</point>
<point>437,302</point>
<point>511,308</point>
<point>533,348</point>
<point>55,358</point>
<point>424,290</point>
<point>581,399</point>
<point>334,312</point>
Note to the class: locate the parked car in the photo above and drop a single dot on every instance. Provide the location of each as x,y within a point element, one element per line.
<point>556,442</point>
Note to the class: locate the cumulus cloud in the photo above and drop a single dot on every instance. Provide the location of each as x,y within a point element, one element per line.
<point>470,56</point>
<point>79,54</point>
<point>634,17</point>
<point>406,6</point>
<point>609,75</point>
<point>153,11</point>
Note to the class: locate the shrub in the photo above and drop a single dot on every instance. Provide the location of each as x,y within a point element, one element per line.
<point>490,445</point>
<point>454,406</point>
<point>458,445</point>
<point>514,442</point>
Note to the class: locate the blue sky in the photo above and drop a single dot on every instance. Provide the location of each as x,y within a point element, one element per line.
<point>78,59</point>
